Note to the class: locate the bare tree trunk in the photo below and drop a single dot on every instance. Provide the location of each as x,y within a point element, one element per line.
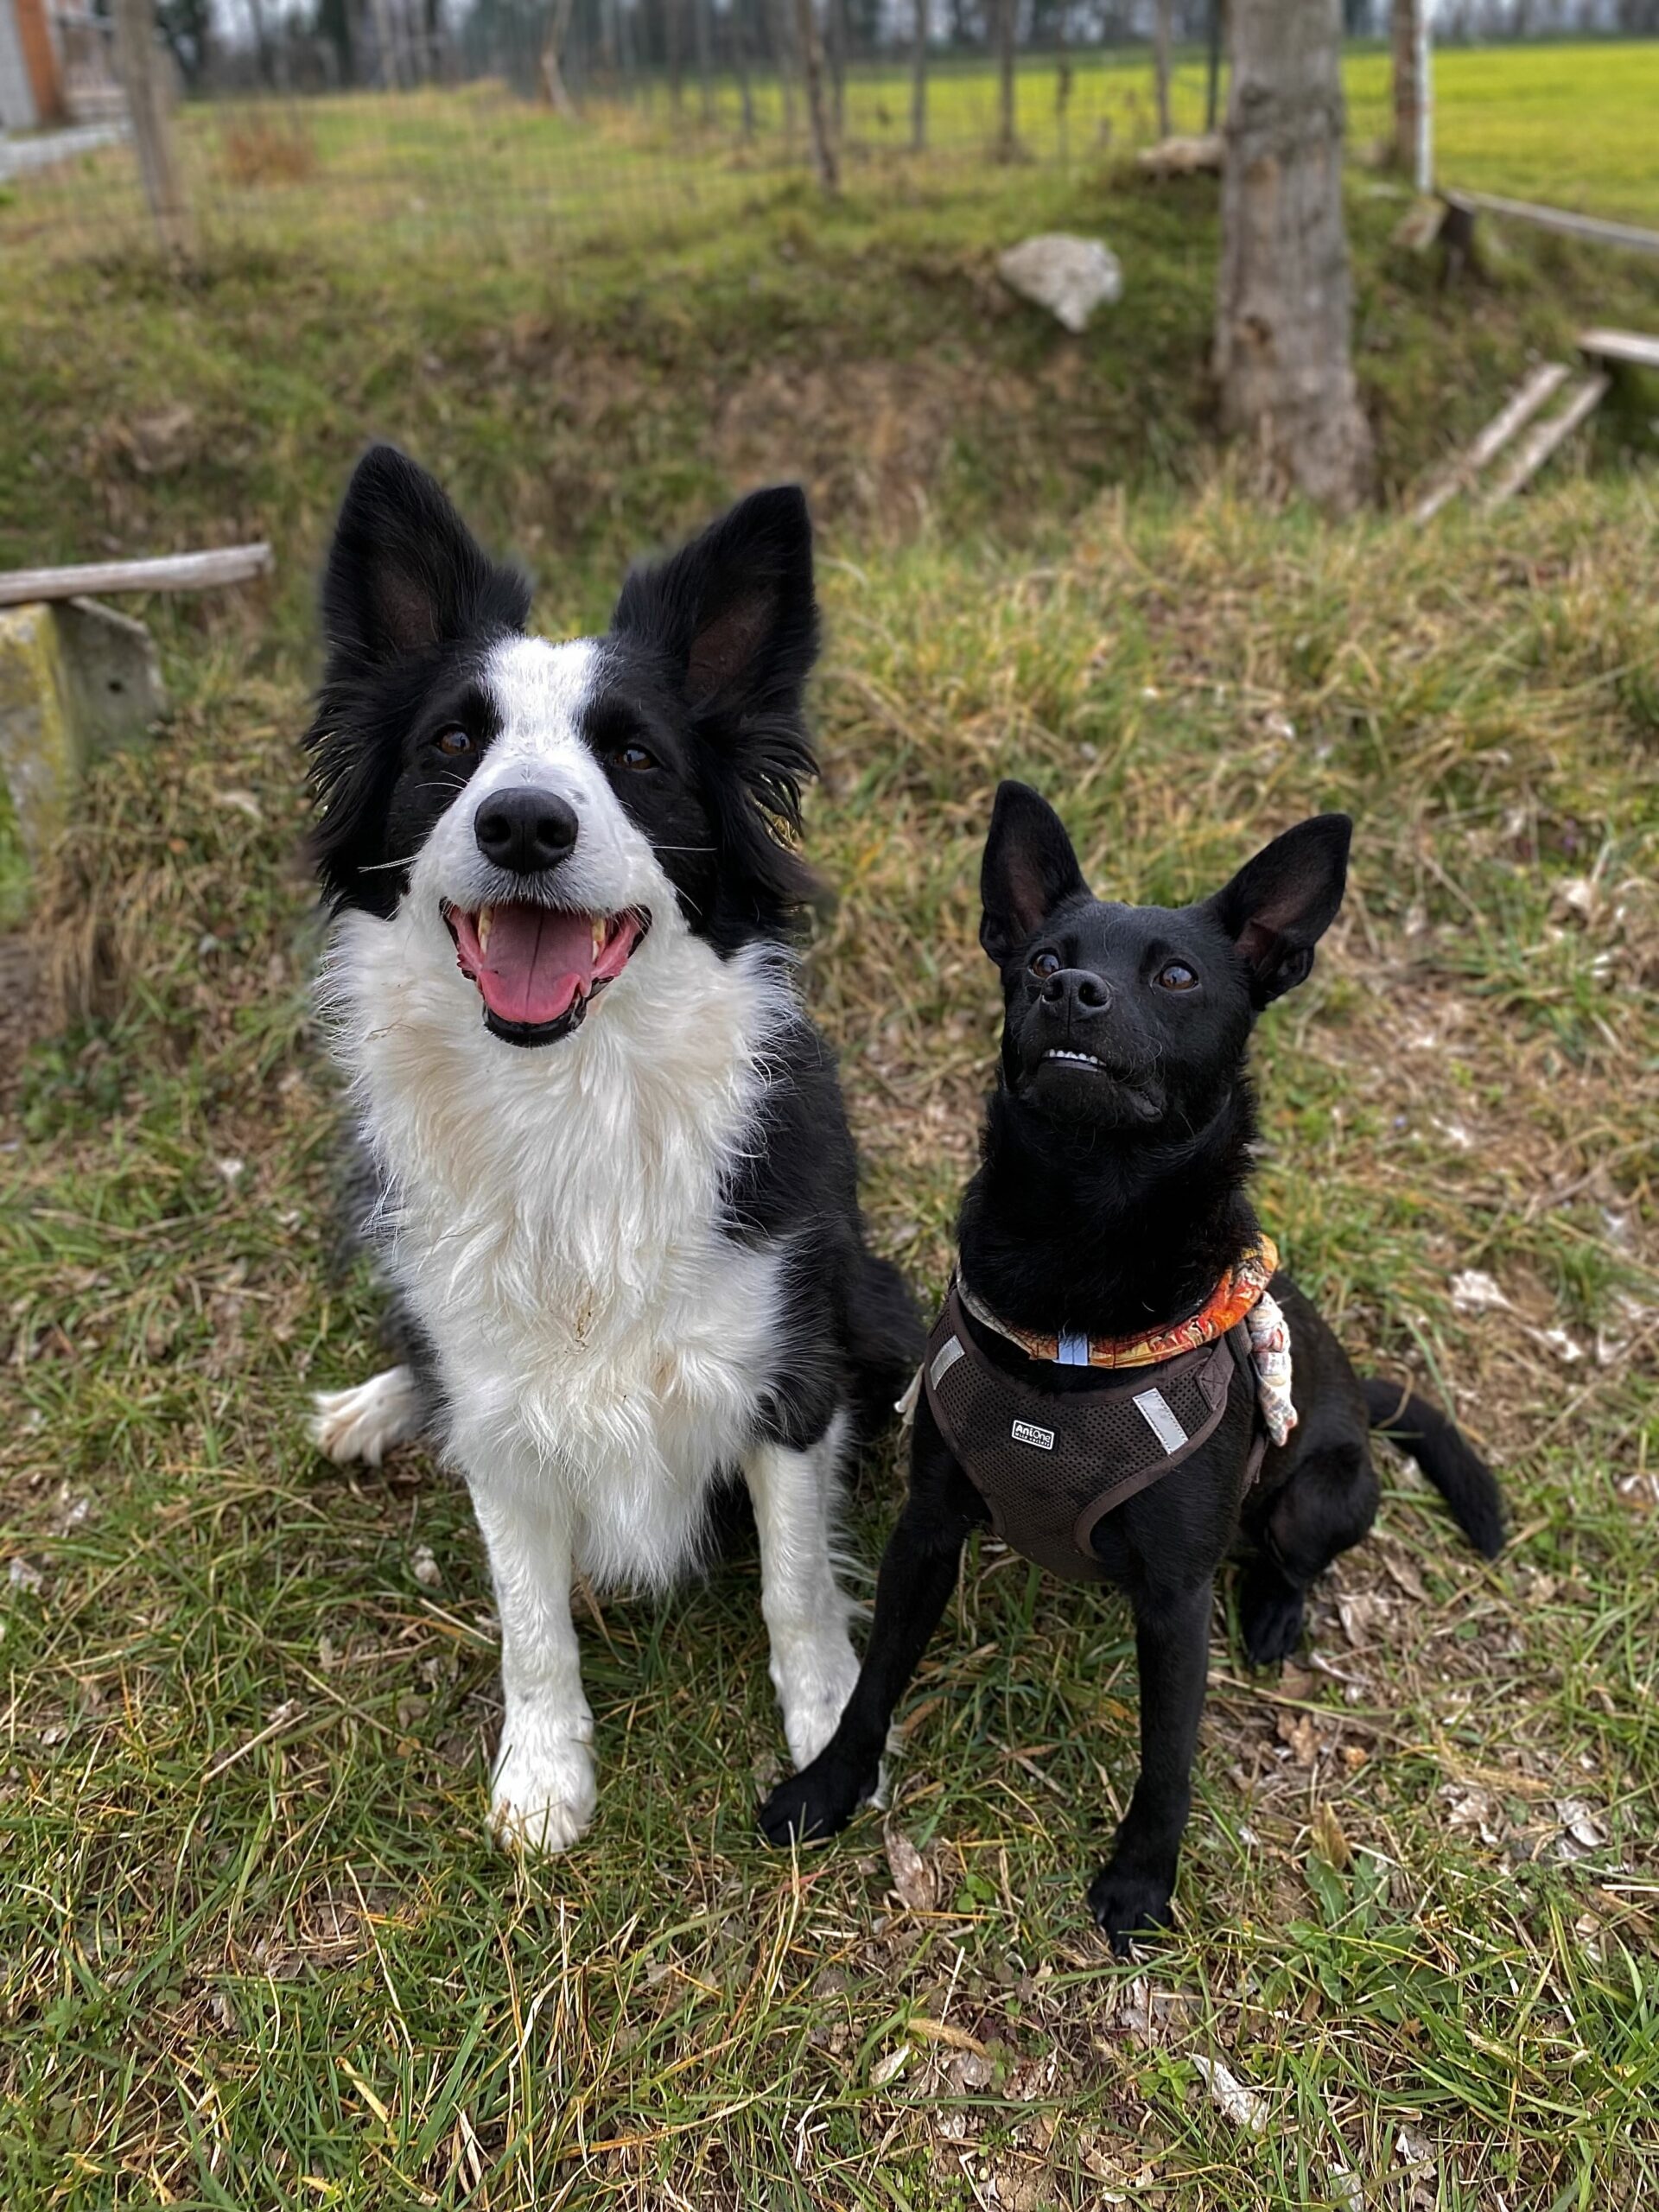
<point>1007,143</point>
<point>785,70</point>
<point>672,39</point>
<point>1063,82</point>
<point>261,44</point>
<point>558,29</point>
<point>811,54</point>
<point>705,66</point>
<point>741,55</point>
<point>1161,63</point>
<point>918,82</point>
<point>1213,89</point>
<point>385,41</point>
<point>1407,90</point>
<point>150,115</point>
<point>836,11</point>
<point>1285,300</point>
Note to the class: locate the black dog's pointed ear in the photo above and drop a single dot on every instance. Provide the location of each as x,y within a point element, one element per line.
<point>1029,867</point>
<point>404,573</point>
<point>1281,903</point>
<point>733,610</point>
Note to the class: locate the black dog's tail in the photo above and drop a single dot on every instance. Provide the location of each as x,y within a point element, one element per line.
<point>1445,1456</point>
<point>885,1338</point>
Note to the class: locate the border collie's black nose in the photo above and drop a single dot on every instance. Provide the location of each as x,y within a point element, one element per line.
<point>1076,991</point>
<point>525,830</point>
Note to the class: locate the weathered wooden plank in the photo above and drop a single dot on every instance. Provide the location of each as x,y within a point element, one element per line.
<point>1594,227</point>
<point>1519,409</point>
<point>1630,348</point>
<point>1541,442</point>
<point>224,564</point>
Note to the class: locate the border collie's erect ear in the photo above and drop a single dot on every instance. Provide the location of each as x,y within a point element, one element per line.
<point>734,617</point>
<point>404,573</point>
<point>1029,867</point>
<point>734,610</point>
<point>1281,903</point>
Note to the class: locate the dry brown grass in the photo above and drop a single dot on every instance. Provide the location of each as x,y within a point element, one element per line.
<point>264,150</point>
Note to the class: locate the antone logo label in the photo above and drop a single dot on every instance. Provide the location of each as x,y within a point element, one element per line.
<point>1026,1431</point>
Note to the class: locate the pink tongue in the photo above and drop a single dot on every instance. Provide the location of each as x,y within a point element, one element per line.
<point>536,963</point>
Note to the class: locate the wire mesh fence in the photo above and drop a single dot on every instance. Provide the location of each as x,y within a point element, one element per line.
<point>492,154</point>
<point>552,123</point>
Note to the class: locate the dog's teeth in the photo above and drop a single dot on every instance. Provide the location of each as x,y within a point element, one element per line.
<point>486,916</point>
<point>601,934</point>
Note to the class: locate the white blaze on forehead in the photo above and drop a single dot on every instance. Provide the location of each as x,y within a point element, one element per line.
<point>542,692</point>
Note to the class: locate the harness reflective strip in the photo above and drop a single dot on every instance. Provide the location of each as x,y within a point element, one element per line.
<point>1071,1351</point>
<point>944,1359</point>
<point>1155,1409</point>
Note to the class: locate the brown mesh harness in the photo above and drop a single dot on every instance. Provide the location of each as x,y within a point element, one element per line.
<point>1036,1457</point>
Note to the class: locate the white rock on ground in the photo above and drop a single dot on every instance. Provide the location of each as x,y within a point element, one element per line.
<point>1071,277</point>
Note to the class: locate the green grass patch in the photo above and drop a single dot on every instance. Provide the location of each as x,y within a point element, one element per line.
<point>254,1949</point>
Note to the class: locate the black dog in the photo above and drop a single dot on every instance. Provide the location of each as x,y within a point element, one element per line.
<point>1112,1200</point>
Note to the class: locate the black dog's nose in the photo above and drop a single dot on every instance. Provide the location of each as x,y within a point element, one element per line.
<point>525,830</point>
<point>1076,990</point>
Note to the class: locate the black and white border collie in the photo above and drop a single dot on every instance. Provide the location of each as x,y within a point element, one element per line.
<point>616,1187</point>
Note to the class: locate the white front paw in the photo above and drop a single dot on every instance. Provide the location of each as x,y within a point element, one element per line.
<point>368,1421</point>
<point>543,1793</point>
<point>814,1681</point>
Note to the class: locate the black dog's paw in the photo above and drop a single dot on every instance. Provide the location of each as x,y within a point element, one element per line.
<point>813,1805</point>
<point>1270,1613</point>
<point>1126,1905</point>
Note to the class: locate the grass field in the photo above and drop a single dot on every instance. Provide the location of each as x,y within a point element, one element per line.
<point>255,1950</point>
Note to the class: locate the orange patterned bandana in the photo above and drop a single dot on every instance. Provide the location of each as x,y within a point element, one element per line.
<point>1239,1290</point>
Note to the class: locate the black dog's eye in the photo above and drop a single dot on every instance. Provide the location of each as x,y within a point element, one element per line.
<point>1045,964</point>
<point>634,757</point>
<point>1176,975</point>
<point>455,743</point>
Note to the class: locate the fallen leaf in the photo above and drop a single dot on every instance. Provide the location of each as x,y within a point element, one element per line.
<point>942,2031</point>
<point>1404,1576</point>
<point>1244,2107</point>
<point>913,1879</point>
<point>1580,1823</point>
<point>968,2071</point>
<point>1566,1349</point>
<point>1414,2149</point>
<point>1345,2188</point>
<point>1329,1840</point>
<point>1297,1731</point>
<point>1578,894</point>
<point>1476,1292</point>
<point>1359,1611</point>
<point>1469,1807</point>
<point>890,2066</point>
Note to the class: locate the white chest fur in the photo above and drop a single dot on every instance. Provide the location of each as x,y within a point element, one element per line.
<point>553,1219</point>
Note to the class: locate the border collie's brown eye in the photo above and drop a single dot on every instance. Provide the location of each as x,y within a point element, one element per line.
<point>634,757</point>
<point>455,743</point>
<point>1176,975</point>
<point>1045,964</point>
